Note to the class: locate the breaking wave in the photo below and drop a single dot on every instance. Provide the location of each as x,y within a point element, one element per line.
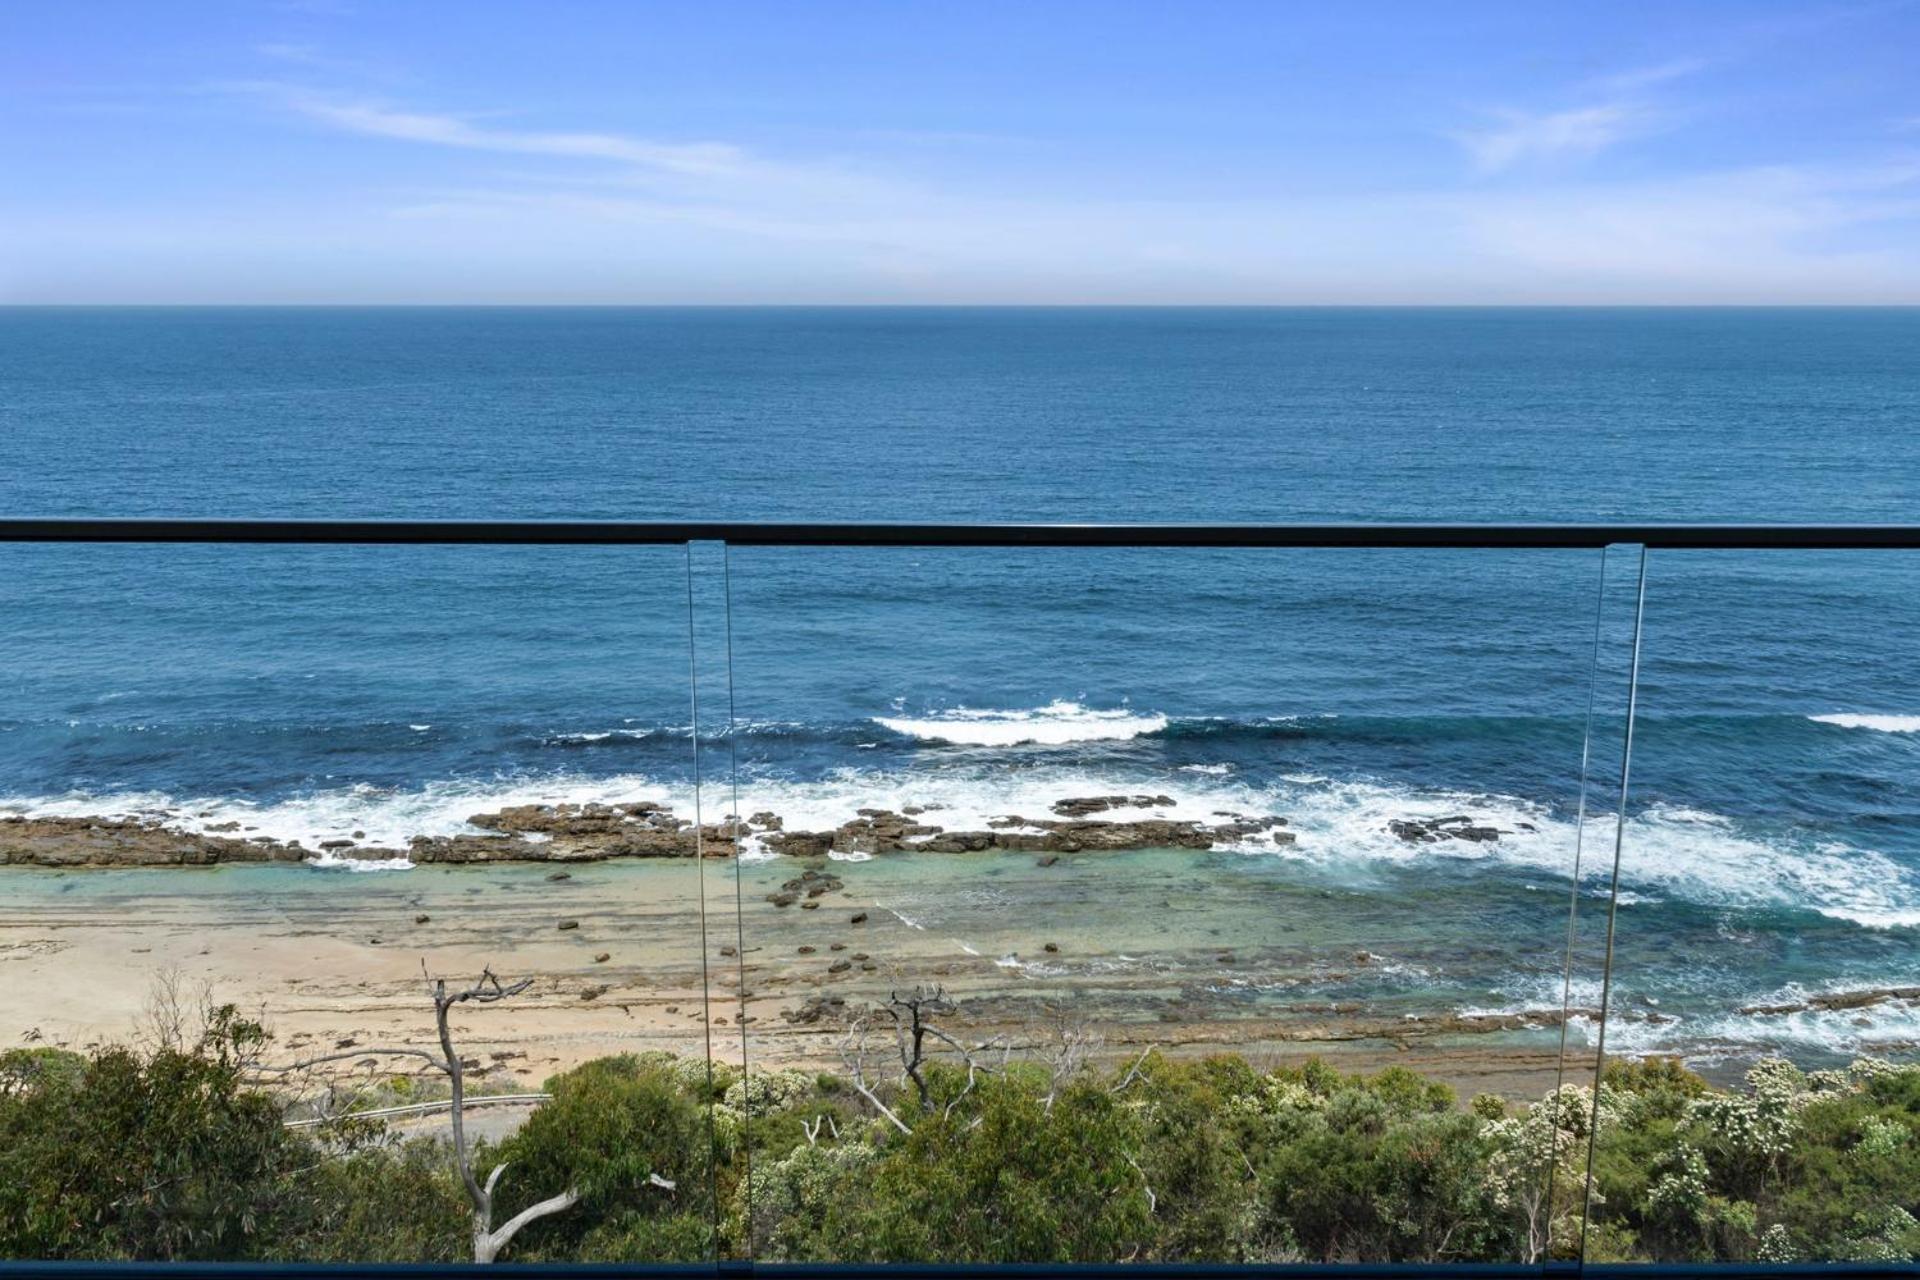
<point>1339,826</point>
<point>1883,724</point>
<point>1056,724</point>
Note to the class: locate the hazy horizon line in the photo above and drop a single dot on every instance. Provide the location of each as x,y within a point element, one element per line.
<point>959,306</point>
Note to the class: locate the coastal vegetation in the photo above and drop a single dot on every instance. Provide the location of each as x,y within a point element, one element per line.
<point>920,1146</point>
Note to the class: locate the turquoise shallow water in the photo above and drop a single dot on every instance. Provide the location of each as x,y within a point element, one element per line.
<point>1773,841</point>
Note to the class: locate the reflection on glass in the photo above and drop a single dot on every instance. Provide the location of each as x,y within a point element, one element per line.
<point>716,829</point>
<point>1146,906</point>
<point>1564,1129</point>
<point>304,844</point>
<point>1762,1097</point>
<point>1154,906</point>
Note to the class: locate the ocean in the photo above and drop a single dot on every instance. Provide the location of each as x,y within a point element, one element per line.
<point>1771,846</point>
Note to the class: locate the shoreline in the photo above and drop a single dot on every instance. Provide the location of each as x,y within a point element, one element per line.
<point>1138,948</point>
<point>595,832</point>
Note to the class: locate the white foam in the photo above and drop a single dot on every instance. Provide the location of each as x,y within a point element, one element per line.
<point>1876,1029</point>
<point>387,818</point>
<point>332,859</point>
<point>1703,857</point>
<point>1883,724</point>
<point>902,917</point>
<point>1056,724</point>
<point>753,848</point>
<point>600,736</point>
<point>1668,851</point>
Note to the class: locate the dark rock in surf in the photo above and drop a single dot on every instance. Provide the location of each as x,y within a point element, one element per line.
<point>1082,806</point>
<point>1433,830</point>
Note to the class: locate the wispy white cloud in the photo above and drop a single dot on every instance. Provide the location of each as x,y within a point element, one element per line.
<point>1618,110</point>
<point>611,215</point>
<point>1637,79</point>
<point>1519,137</point>
<point>1759,235</point>
<point>1748,235</point>
<point>376,119</point>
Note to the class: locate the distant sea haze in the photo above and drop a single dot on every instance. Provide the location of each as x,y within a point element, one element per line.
<point>309,693</point>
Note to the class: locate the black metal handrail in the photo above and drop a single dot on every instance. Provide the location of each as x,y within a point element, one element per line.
<point>1701,537</point>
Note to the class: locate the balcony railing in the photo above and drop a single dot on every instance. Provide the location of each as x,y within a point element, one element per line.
<point>1498,899</point>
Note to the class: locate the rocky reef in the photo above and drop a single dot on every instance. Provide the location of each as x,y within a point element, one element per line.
<point>127,842</point>
<point>645,829</point>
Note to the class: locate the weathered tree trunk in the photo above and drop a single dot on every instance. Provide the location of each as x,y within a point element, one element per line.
<point>488,1240</point>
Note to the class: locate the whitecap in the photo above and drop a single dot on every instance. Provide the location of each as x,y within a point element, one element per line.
<point>1056,724</point>
<point>1882,724</point>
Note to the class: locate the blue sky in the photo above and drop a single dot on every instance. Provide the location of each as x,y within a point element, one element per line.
<point>342,151</point>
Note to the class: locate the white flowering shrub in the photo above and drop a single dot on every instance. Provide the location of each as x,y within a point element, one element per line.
<point>1760,1124</point>
<point>1891,1235</point>
<point>1865,1069</point>
<point>1882,1137</point>
<point>1776,1245</point>
<point>1536,1167</point>
<point>1680,1193</point>
<point>762,1093</point>
<point>695,1075</point>
<point>793,1194</point>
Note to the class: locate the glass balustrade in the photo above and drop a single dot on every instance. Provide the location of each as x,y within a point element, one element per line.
<point>849,904</point>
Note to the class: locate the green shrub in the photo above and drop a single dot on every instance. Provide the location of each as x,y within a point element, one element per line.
<point>171,1155</point>
<point>615,1129</point>
<point>400,1203</point>
<point>119,1156</point>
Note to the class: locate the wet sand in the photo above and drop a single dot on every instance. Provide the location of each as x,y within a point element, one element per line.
<point>1160,948</point>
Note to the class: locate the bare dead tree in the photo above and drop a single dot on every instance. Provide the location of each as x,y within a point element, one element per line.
<point>912,1017</point>
<point>488,1240</point>
<point>1067,1054</point>
<point>853,1052</point>
<point>163,1021</point>
<point>1134,1073</point>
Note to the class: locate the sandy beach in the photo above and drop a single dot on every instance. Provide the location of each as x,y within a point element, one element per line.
<point>335,960</point>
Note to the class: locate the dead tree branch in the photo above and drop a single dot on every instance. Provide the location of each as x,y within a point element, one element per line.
<point>488,1240</point>
<point>853,1054</point>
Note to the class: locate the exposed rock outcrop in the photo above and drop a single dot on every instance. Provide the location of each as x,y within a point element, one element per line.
<point>1836,1001</point>
<point>564,833</point>
<point>108,842</point>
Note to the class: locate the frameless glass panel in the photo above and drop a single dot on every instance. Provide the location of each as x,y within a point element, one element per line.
<point>1175,905</point>
<point>300,843</point>
<point>718,829</point>
<point>1764,1073</point>
<point>1559,1131</point>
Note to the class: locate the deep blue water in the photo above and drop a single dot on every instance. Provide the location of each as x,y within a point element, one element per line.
<point>396,689</point>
